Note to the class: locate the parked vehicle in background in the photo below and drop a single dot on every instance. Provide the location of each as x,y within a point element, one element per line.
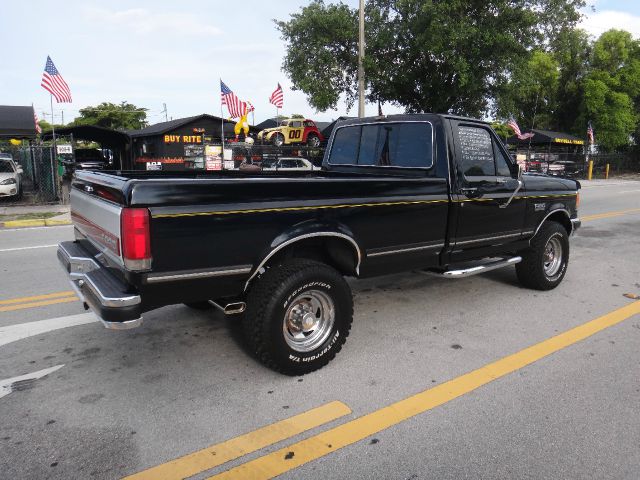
<point>292,131</point>
<point>90,159</point>
<point>288,164</point>
<point>568,168</point>
<point>435,193</point>
<point>10,177</point>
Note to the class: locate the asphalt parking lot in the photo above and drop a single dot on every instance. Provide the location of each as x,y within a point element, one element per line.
<point>437,379</point>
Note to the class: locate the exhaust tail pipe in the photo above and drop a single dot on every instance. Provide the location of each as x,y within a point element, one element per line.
<point>232,308</point>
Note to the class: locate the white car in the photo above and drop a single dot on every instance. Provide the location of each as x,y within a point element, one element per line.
<point>288,164</point>
<point>10,177</point>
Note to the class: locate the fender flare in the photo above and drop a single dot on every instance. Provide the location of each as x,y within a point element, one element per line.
<point>553,211</point>
<point>302,232</point>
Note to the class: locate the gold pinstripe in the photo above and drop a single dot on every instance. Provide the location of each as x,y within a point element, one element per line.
<point>350,205</point>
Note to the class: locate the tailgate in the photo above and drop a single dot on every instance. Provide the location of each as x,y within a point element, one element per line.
<point>96,217</point>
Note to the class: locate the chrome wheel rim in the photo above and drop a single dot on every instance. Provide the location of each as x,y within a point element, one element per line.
<point>314,141</point>
<point>552,256</point>
<point>308,320</point>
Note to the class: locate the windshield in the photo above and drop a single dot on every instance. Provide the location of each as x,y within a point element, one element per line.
<point>5,166</point>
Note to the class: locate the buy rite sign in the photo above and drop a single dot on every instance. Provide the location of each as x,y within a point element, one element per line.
<point>183,139</point>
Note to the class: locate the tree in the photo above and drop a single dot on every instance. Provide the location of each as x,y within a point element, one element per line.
<point>124,116</point>
<point>424,55</point>
<point>531,94</point>
<point>571,50</point>
<point>612,89</point>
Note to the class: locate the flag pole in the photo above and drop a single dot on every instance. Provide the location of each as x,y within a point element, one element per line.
<point>222,121</point>
<point>54,151</point>
<point>53,128</point>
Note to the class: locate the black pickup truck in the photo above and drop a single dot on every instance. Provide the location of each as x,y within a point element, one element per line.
<point>433,193</point>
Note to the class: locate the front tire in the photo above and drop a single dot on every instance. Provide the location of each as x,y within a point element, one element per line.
<point>278,139</point>
<point>298,316</point>
<point>544,263</point>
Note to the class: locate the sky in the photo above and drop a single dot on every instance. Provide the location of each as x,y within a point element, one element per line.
<point>151,53</point>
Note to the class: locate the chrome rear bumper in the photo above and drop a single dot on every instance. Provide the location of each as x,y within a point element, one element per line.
<point>107,296</point>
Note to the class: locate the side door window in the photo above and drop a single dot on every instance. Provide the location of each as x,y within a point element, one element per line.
<point>476,152</point>
<point>481,154</point>
<point>503,163</point>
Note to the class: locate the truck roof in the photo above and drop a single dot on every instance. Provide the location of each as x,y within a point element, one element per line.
<point>408,117</point>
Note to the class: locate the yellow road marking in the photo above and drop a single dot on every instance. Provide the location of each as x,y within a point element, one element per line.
<point>293,456</point>
<point>216,455</point>
<point>610,214</point>
<point>37,297</point>
<point>54,301</point>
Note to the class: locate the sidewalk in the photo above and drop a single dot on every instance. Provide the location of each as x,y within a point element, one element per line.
<point>22,209</point>
<point>63,217</point>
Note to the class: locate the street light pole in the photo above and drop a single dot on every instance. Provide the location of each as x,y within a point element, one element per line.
<point>360,64</point>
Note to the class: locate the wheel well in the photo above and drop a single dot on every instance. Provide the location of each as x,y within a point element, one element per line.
<point>335,251</point>
<point>560,217</point>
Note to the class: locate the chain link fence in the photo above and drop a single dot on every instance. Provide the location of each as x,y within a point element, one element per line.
<point>40,179</point>
<point>576,165</point>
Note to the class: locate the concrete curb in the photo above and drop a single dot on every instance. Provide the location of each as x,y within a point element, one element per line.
<point>51,222</point>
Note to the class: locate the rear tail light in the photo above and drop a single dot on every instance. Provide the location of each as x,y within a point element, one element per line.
<point>136,242</point>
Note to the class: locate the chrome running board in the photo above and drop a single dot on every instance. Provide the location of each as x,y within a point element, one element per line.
<point>475,269</point>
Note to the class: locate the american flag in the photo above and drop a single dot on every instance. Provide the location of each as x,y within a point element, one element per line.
<point>277,97</point>
<point>516,129</point>
<point>236,107</point>
<point>590,133</point>
<point>250,107</point>
<point>53,82</point>
<point>37,122</point>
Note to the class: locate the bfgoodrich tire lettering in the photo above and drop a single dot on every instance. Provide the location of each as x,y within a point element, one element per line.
<point>271,305</point>
<point>544,263</point>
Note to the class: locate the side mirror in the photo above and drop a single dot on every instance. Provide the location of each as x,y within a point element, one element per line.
<point>19,169</point>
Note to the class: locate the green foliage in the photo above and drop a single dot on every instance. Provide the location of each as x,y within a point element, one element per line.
<point>424,55</point>
<point>46,126</point>
<point>532,91</point>
<point>577,80</point>
<point>502,130</point>
<point>125,116</point>
<point>612,89</point>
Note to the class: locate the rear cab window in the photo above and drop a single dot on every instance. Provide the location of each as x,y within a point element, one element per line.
<point>384,144</point>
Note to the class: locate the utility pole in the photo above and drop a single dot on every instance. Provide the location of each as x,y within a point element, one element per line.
<point>62,118</point>
<point>360,63</point>
<point>165,112</point>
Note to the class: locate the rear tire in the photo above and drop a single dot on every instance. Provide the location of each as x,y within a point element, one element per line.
<point>313,140</point>
<point>544,263</point>
<point>298,316</point>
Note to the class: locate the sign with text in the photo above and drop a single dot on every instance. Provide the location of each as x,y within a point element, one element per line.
<point>62,149</point>
<point>183,138</point>
<point>213,157</point>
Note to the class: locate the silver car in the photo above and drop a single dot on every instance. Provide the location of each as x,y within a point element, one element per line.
<point>10,177</point>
